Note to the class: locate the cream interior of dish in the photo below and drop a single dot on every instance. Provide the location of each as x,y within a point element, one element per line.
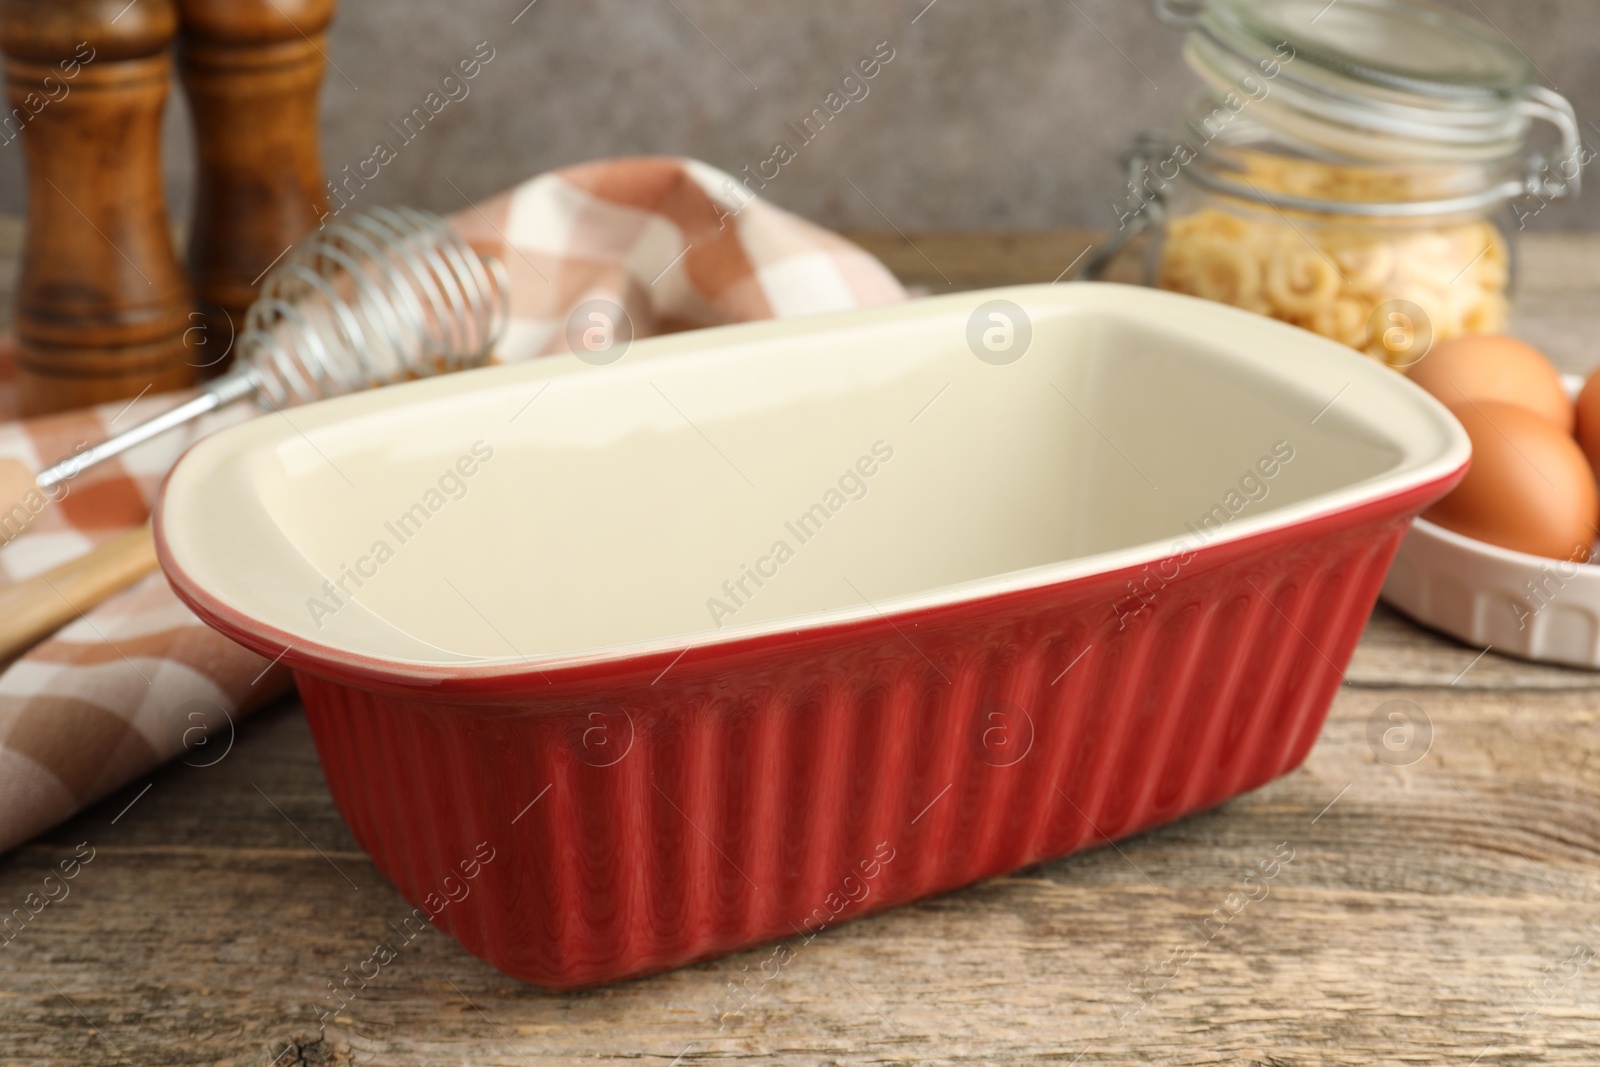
<point>593,507</point>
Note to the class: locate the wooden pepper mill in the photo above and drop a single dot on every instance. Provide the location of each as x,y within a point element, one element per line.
<point>102,303</point>
<point>252,69</point>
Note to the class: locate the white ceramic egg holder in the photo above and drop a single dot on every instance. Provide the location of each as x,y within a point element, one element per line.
<point>1518,604</point>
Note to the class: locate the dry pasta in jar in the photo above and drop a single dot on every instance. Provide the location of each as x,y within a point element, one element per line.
<point>1333,278</point>
<point>1345,174</point>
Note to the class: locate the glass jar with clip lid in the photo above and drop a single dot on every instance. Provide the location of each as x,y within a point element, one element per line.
<point>1354,167</point>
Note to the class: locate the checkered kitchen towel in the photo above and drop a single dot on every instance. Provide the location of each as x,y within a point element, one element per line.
<point>139,679</point>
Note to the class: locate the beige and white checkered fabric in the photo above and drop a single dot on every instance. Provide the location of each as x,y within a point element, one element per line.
<point>135,681</point>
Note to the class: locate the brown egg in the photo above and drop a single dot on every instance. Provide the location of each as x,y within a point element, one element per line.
<point>1494,367</point>
<point>1529,487</point>
<point>1588,429</point>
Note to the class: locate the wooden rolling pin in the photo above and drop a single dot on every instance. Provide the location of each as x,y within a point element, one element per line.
<point>37,607</point>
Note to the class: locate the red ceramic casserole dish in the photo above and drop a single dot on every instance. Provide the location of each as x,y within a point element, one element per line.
<point>772,626</point>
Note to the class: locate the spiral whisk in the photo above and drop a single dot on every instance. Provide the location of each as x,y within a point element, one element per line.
<point>387,295</point>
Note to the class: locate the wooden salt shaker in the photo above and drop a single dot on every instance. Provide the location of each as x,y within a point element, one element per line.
<point>251,69</point>
<point>102,304</point>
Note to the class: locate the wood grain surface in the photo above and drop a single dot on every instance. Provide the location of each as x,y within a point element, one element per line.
<point>1440,906</point>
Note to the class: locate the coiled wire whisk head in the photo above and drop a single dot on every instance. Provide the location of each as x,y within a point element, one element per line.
<point>387,295</point>
<point>384,296</point>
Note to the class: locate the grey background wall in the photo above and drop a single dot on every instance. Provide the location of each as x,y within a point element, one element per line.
<point>993,114</point>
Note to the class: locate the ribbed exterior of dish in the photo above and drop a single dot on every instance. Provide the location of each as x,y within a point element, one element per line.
<point>752,795</point>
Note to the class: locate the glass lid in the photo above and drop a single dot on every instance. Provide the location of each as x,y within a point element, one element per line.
<point>1405,46</point>
<point>1380,83</point>
<point>1373,80</point>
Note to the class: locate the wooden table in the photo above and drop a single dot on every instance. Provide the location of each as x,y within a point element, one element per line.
<point>1443,911</point>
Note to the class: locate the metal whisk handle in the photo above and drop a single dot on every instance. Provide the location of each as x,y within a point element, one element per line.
<point>233,386</point>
